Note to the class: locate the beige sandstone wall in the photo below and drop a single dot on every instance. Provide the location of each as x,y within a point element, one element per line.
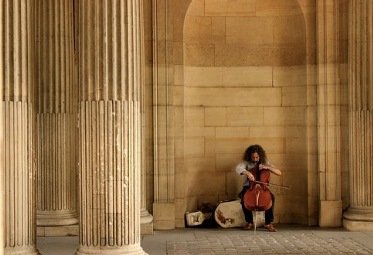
<point>247,77</point>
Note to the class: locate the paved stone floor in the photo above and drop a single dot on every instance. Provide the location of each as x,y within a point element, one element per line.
<point>290,239</point>
<point>286,243</point>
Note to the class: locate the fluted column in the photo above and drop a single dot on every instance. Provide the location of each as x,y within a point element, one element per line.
<point>109,127</point>
<point>359,215</point>
<point>19,127</point>
<point>56,118</point>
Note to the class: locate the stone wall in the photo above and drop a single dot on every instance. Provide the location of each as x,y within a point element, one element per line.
<point>233,73</point>
<point>247,80</point>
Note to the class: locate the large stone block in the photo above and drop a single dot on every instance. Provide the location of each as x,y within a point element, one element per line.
<point>285,116</point>
<point>205,183</point>
<point>216,7</point>
<point>194,116</point>
<point>197,30</point>
<point>249,30</point>
<point>203,76</point>
<point>269,8</point>
<point>164,215</point>
<point>218,26</point>
<point>200,163</point>
<point>228,162</point>
<point>244,54</point>
<point>199,55</point>
<point>215,97</point>
<point>284,27</point>
<point>196,8</point>
<point>245,117</point>
<point>199,132</point>
<point>284,76</point>
<point>194,146</point>
<point>277,131</point>
<point>241,8</point>
<point>232,132</point>
<point>215,116</point>
<point>253,76</point>
<point>330,213</point>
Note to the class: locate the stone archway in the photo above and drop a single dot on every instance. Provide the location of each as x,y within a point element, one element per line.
<point>245,81</point>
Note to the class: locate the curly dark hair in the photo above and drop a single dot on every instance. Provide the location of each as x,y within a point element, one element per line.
<point>258,149</point>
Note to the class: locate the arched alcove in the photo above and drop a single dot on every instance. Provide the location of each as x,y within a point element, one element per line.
<point>245,82</point>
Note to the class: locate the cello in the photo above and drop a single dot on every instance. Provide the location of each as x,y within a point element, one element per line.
<point>258,197</point>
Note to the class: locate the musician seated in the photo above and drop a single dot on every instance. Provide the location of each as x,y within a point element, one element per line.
<point>253,156</point>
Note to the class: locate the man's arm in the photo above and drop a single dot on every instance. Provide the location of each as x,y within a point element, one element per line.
<point>241,169</point>
<point>272,169</point>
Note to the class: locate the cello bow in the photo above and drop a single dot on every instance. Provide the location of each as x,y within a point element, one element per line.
<point>271,184</point>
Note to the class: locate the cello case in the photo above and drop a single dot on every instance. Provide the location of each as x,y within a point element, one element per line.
<point>229,214</point>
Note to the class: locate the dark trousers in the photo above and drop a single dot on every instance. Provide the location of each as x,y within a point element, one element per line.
<point>248,214</point>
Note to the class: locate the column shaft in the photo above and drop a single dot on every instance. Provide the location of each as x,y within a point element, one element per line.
<point>146,218</point>
<point>19,127</point>
<point>359,216</point>
<point>19,178</point>
<point>328,104</point>
<point>56,118</point>
<point>2,175</point>
<point>164,122</point>
<point>109,128</point>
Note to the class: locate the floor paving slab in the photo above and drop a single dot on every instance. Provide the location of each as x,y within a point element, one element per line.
<point>289,239</point>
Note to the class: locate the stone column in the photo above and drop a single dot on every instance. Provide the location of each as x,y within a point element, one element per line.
<point>2,175</point>
<point>19,126</point>
<point>328,105</point>
<point>56,119</point>
<point>359,216</point>
<point>146,218</point>
<point>164,142</point>
<point>109,127</point>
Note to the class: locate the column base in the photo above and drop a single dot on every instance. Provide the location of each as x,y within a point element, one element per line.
<point>146,221</point>
<point>358,218</point>
<point>145,216</point>
<point>129,249</point>
<point>56,218</point>
<point>72,230</point>
<point>57,223</point>
<point>357,225</point>
<point>25,250</point>
<point>146,228</point>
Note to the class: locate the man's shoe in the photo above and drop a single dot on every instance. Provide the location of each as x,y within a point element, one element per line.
<point>270,227</point>
<point>248,226</point>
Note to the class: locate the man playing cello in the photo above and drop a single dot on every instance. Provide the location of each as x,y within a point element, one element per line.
<point>255,156</point>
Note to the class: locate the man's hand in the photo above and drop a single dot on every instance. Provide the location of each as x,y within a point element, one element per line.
<point>249,175</point>
<point>262,167</point>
